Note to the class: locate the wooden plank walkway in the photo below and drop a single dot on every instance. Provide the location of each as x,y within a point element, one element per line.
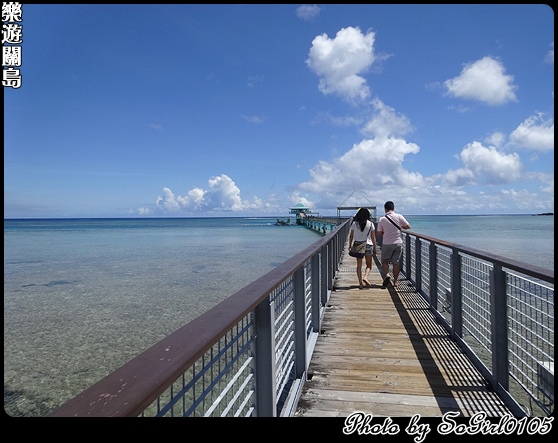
<point>382,352</point>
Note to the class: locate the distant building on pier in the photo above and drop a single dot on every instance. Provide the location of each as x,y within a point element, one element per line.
<point>301,212</point>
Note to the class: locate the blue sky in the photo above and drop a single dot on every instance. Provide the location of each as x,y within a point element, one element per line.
<point>247,110</point>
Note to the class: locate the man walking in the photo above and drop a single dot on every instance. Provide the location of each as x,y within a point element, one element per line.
<point>389,227</point>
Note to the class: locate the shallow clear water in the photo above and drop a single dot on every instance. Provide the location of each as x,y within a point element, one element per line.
<point>82,297</point>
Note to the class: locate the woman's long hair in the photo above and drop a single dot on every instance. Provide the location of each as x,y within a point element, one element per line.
<point>362,216</point>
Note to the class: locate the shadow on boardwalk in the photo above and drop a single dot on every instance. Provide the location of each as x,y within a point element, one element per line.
<point>382,352</point>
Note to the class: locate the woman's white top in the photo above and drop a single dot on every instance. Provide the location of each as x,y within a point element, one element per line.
<point>362,235</point>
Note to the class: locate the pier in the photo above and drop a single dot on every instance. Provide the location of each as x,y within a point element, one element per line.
<point>464,331</point>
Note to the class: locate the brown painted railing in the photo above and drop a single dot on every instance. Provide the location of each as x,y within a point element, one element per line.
<point>247,356</point>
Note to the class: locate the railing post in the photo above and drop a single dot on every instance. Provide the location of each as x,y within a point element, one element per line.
<point>316,285</point>
<point>407,257</point>
<point>299,283</point>
<point>456,296</point>
<point>330,265</point>
<point>323,278</point>
<point>418,265</point>
<point>433,266</point>
<point>499,328</point>
<point>265,366</point>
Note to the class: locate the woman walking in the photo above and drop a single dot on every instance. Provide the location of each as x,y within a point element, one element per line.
<point>362,230</point>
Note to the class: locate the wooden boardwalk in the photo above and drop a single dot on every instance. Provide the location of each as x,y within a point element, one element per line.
<point>382,352</point>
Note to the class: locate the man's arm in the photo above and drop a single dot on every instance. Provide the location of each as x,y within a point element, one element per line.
<point>405,224</point>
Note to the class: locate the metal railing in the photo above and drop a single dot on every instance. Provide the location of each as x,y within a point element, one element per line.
<point>248,356</point>
<point>500,312</point>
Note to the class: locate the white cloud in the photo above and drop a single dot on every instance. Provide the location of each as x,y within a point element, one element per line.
<point>222,195</point>
<point>256,119</point>
<point>144,211</point>
<point>376,167</point>
<point>371,164</point>
<point>386,122</point>
<point>375,163</point>
<point>484,165</point>
<point>549,58</point>
<point>496,139</point>
<point>484,80</point>
<point>339,63</point>
<point>547,181</point>
<point>534,134</point>
<point>295,198</point>
<point>194,199</point>
<point>307,12</point>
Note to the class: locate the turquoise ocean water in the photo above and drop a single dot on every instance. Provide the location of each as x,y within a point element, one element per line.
<point>525,238</point>
<point>84,296</point>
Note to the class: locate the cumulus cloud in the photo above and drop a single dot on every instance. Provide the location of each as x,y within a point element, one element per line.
<point>370,164</point>
<point>307,12</point>
<point>374,163</point>
<point>143,211</point>
<point>484,80</point>
<point>484,165</point>
<point>386,122</point>
<point>534,134</point>
<point>222,195</point>
<point>496,139</point>
<point>295,198</point>
<point>341,61</point>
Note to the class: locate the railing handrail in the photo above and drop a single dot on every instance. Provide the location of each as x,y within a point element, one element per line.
<point>516,265</point>
<point>142,379</point>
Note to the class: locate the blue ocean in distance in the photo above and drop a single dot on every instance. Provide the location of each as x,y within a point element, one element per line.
<point>84,296</point>
<point>525,238</point>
